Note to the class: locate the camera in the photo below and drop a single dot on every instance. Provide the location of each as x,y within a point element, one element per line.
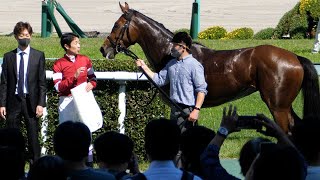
<point>248,122</point>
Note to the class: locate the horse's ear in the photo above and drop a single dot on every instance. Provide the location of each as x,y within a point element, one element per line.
<point>126,5</point>
<point>124,8</point>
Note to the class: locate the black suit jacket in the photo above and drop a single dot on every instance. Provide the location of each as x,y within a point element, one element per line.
<point>35,76</point>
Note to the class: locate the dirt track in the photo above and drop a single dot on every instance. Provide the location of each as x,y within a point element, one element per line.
<point>100,15</point>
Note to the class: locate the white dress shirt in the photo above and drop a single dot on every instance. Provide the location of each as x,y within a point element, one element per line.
<point>25,65</point>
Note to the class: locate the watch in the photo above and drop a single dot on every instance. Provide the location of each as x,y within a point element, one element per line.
<point>222,131</point>
<point>196,108</point>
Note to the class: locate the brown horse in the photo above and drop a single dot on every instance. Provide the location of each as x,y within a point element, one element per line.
<point>231,74</point>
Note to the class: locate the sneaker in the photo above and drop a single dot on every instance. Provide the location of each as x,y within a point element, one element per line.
<point>314,52</point>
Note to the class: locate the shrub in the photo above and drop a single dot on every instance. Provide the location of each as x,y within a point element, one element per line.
<point>298,27</point>
<point>292,23</point>
<point>106,94</point>
<point>310,5</point>
<point>215,32</point>
<point>264,34</point>
<point>240,33</point>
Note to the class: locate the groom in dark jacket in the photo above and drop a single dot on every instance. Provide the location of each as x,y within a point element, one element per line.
<point>23,87</point>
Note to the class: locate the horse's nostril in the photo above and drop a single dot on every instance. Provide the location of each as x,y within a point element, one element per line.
<point>102,50</point>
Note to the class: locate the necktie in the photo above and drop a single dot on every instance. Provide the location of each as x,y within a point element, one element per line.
<point>21,75</point>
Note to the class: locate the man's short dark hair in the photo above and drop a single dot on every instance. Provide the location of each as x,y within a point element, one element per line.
<point>182,37</point>
<point>301,134</point>
<point>162,139</point>
<point>12,148</point>
<point>12,137</point>
<point>67,38</point>
<point>20,26</point>
<point>71,141</point>
<point>193,142</point>
<point>249,152</point>
<point>113,148</point>
<point>276,162</point>
<point>49,168</point>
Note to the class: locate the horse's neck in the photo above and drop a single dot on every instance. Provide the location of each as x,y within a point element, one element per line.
<point>155,53</point>
<point>155,42</point>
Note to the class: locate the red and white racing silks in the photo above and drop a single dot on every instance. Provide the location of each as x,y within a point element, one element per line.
<point>64,70</point>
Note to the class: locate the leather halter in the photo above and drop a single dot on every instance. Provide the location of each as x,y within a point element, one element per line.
<point>125,28</point>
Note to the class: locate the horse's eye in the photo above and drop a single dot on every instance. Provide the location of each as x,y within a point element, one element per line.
<point>116,26</point>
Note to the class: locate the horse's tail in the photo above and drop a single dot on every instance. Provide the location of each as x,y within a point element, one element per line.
<point>310,89</point>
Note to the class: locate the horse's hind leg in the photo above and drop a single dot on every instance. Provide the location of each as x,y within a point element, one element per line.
<point>279,98</point>
<point>279,104</point>
<point>284,119</point>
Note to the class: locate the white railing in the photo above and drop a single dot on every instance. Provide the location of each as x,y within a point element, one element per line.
<point>121,77</point>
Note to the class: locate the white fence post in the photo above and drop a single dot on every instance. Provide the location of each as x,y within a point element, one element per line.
<point>119,76</point>
<point>122,105</point>
<point>43,130</point>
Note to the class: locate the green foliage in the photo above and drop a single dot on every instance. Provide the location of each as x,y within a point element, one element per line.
<point>209,117</point>
<point>264,34</point>
<point>138,114</point>
<point>240,33</point>
<point>313,6</point>
<point>293,23</point>
<point>298,26</point>
<point>182,30</point>
<point>215,32</point>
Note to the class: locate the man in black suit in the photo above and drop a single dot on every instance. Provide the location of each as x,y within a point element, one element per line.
<point>23,87</point>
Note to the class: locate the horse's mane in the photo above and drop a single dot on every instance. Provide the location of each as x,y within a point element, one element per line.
<point>197,43</point>
<point>156,22</point>
<point>161,25</point>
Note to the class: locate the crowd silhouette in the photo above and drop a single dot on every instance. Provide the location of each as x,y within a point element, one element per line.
<point>182,150</point>
<point>293,157</point>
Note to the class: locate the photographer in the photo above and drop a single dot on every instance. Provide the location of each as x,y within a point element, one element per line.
<point>309,148</point>
<point>285,159</point>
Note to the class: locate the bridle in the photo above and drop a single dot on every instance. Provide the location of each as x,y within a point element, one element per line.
<point>116,45</point>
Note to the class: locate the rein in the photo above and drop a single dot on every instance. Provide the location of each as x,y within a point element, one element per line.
<point>118,48</point>
<point>129,53</point>
<point>135,57</point>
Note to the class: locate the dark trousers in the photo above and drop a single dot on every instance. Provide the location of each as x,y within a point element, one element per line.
<point>14,118</point>
<point>181,121</point>
<point>183,124</point>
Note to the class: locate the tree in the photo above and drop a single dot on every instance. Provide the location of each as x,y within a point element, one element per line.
<point>313,6</point>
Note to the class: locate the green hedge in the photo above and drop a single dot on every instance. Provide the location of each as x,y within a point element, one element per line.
<point>292,23</point>
<point>240,33</point>
<point>137,96</point>
<point>313,6</point>
<point>215,32</point>
<point>266,33</point>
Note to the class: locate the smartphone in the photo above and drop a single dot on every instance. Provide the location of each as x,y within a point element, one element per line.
<point>248,122</point>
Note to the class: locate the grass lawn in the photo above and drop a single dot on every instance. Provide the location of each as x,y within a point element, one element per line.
<point>210,117</point>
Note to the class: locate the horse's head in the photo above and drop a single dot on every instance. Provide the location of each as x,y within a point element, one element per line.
<point>122,34</point>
